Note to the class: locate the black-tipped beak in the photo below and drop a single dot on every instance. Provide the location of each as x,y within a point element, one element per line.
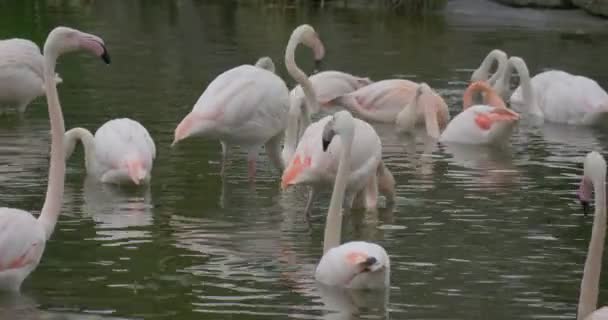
<point>105,56</point>
<point>586,207</point>
<point>318,65</point>
<point>370,262</point>
<point>325,144</point>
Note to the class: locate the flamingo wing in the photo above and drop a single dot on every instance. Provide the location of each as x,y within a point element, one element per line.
<point>572,100</point>
<point>22,239</point>
<point>21,52</point>
<point>245,100</point>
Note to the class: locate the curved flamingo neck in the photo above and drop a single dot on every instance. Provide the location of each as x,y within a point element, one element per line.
<point>88,142</point>
<point>333,225</point>
<point>587,302</point>
<point>54,193</point>
<point>490,97</point>
<point>296,73</point>
<point>527,92</point>
<point>501,60</point>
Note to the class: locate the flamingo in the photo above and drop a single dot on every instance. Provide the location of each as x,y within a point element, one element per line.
<point>489,123</point>
<point>21,73</point>
<point>22,236</point>
<point>557,96</point>
<point>312,165</point>
<point>121,151</point>
<point>245,106</point>
<point>483,72</point>
<point>356,264</point>
<point>382,101</point>
<point>594,179</point>
<point>299,112</point>
<point>426,108</point>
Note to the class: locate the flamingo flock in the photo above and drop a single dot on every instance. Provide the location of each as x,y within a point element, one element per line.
<point>251,107</point>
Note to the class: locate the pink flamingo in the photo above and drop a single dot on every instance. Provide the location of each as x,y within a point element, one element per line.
<point>382,101</point>
<point>23,237</point>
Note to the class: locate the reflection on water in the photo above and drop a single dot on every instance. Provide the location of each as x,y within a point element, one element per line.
<point>476,233</point>
<point>119,214</point>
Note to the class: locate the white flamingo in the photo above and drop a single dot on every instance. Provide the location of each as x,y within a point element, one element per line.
<point>594,181</point>
<point>22,236</point>
<point>245,106</point>
<point>21,73</point>
<point>356,264</point>
<point>557,96</point>
<point>121,151</point>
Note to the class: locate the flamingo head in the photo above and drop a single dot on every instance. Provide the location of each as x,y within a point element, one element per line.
<point>63,40</point>
<point>266,64</point>
<point>490,97</point>
<point>342,123</point>
<point>310,38</point>
<point>362,262</point>
<point>297,171</point>
<point>136,170</point>
<point>594,167</point>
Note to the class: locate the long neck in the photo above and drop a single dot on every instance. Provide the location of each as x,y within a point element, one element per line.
<point>291,132</point>
<point>297,74</point>
<point>587,302</point>
<point>500,69</point>
<point>88,141</point>
<point>333,225</point>
<point>54,193</point>
<point>526,88</point>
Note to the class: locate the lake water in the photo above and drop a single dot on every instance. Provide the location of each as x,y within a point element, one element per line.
<point>475,234</point>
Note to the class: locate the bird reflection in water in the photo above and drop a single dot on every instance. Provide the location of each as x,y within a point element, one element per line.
<point>118,211</point>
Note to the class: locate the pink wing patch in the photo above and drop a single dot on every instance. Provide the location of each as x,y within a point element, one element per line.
<point>22,260</point>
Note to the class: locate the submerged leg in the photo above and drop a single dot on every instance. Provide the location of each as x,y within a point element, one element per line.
<point>224,158</point>
<point>252,156</point>
<point>386,183</point>
<point>371,193</point>
<point>273,150</point>
<point>312,194</point>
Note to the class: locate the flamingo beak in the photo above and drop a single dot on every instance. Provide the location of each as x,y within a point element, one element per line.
<point>136,171</point>
<point>293,171</point>
<point>584,194</point>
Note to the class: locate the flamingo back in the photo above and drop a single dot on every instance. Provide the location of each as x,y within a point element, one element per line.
<point>245,103</point>
<point>119,139</point>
